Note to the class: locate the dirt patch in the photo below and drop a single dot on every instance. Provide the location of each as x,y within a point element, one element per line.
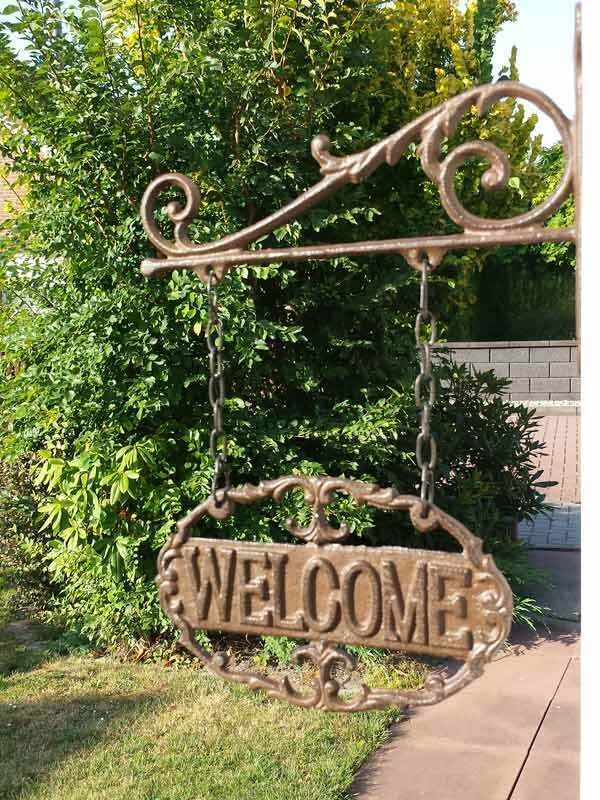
<point>25,633</point>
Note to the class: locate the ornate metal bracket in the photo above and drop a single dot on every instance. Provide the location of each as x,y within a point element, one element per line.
<point>430,130</point>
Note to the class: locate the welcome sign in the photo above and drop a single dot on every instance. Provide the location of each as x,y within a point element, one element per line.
<point>417,601</point>
<point>381,597</point>
<point>445,604</point>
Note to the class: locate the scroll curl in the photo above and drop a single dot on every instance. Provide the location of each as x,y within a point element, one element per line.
<point>441,123</point>
<point>496,176</point>
<point>180,215</point>
<point>429,130</point>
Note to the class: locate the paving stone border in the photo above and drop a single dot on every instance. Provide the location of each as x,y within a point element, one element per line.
<point>539,370</point>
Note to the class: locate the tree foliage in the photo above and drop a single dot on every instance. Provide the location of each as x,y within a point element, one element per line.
<point>490,15</point>
<point>105,372</point>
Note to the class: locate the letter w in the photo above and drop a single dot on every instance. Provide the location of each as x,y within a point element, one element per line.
<point>216,582</point>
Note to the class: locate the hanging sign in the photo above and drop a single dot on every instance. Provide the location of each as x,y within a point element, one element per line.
<point>322,591</point>
<point>417,601</point>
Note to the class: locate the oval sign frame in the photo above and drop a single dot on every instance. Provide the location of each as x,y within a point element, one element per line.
<point>489,593</point>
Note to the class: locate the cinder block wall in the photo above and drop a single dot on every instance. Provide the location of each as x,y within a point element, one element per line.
<point>541,370</point>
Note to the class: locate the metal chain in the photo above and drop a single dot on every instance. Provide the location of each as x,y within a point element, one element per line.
<point>216,393</point>
<point>425,392</point>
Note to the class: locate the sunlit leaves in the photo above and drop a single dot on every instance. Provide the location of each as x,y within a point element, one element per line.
<point>105,372</point>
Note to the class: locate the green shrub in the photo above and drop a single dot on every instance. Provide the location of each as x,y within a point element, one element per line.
<point>22,547</point>
<point>105,372</point>
<point>110,510</point>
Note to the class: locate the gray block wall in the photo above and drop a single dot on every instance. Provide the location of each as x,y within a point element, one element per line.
<point>540,370</point>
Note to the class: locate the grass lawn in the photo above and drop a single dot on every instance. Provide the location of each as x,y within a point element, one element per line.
<point>85,728</point>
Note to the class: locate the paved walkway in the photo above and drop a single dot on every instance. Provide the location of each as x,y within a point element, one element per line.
<point>560,463</point>
<point>513,734</point>
<point>560,460</point>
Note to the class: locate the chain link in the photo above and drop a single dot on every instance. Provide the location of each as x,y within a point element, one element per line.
<point>425,392</point>
<point>216,393</point>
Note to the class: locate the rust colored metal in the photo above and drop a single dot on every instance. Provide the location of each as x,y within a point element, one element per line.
<point>430,129</point>
<point>577,179</point>
<point>450,604</point>
<point>418,601</point>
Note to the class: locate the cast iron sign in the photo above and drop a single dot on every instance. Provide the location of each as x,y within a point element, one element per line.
<point>323,591</point>
<point>418,601</point>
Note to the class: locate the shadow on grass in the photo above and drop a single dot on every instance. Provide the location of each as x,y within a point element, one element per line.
<point>16,656</point>
<point>35,737</point>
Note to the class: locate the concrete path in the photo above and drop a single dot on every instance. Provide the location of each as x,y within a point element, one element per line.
<point>563,599</point>
<point>513,734</point>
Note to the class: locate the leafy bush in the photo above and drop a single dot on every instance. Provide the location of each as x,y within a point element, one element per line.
<point>525,292</point>
<point>23,547</point>
<point>105,373</point>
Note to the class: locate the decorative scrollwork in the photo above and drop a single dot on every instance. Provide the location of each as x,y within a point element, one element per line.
<point>493,597</point>
<point>498,173</point>
<point>180,215</point>
<point>318,493</point>
<point>430,129</point>
<point>441,123</point>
